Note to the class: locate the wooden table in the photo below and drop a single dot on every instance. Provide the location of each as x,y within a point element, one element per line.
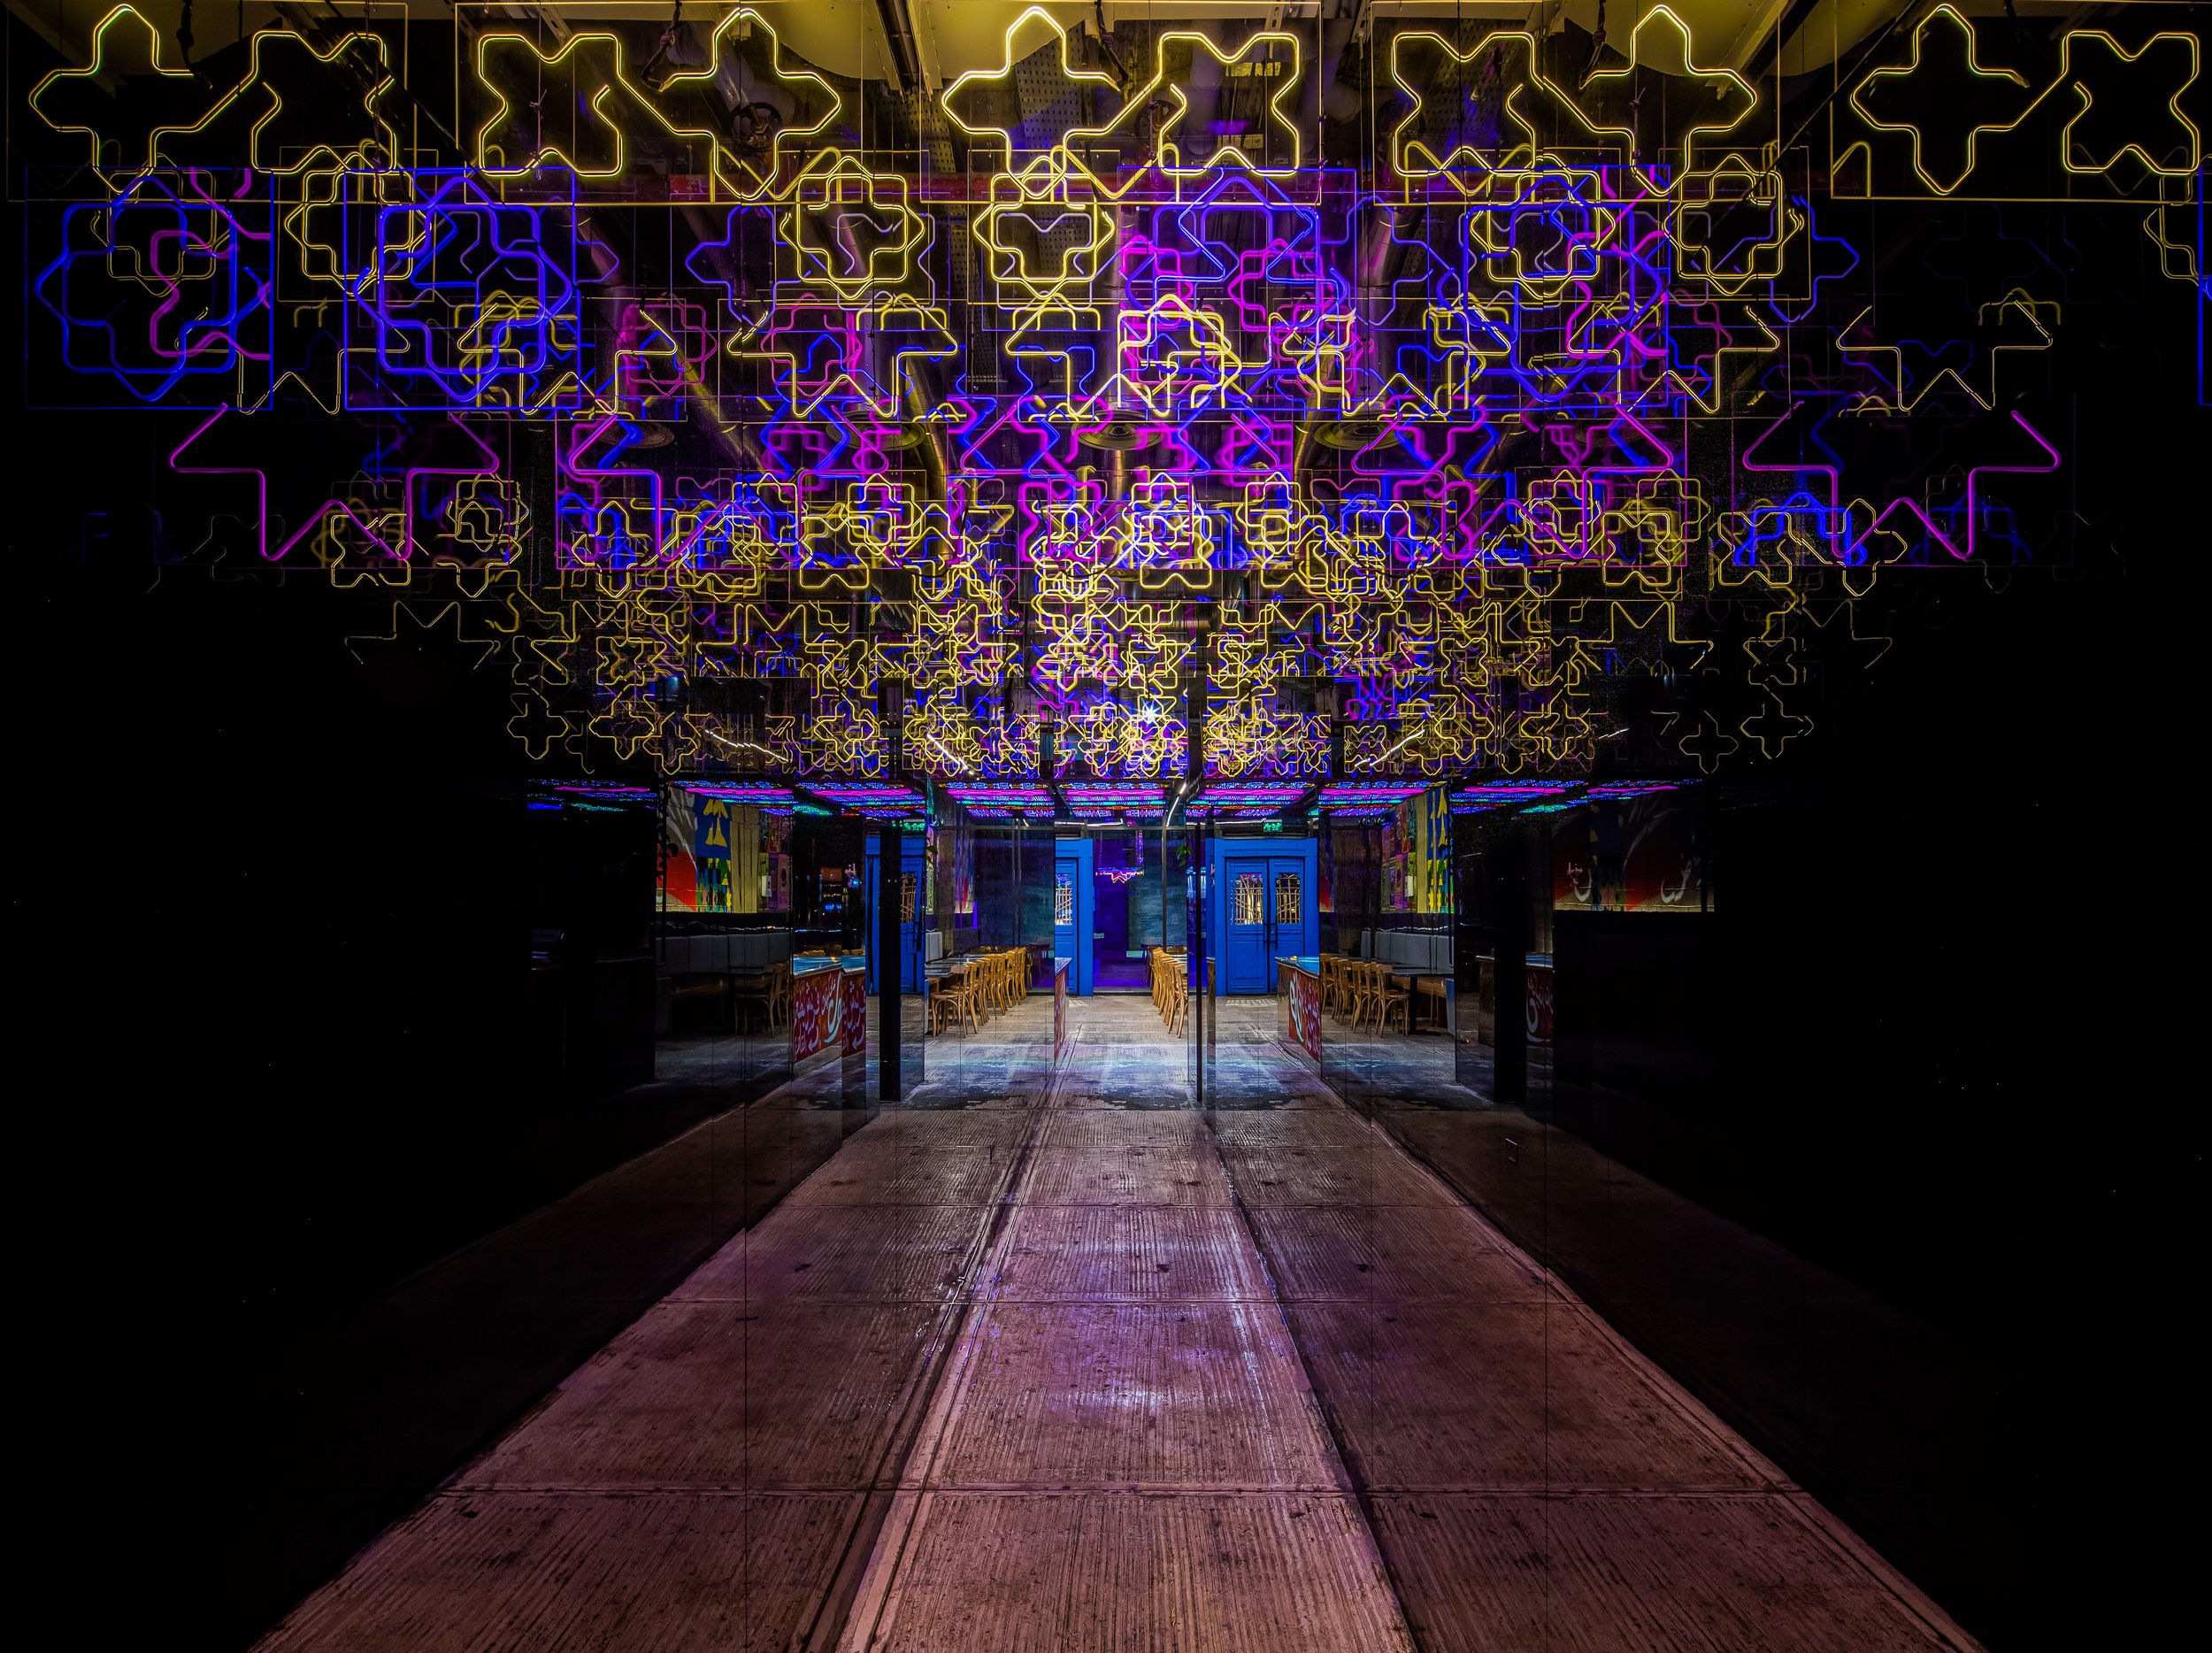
<point>1418,981</point>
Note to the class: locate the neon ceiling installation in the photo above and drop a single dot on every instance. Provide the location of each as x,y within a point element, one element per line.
<point>1387,396</point>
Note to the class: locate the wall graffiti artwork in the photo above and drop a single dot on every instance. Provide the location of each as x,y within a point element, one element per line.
<point>1484,382</point>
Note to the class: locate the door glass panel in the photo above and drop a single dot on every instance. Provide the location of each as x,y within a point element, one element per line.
<point>1250,898</point>
<point>906,898</point>
<point>1287,896</point>
<point>1063,901</point>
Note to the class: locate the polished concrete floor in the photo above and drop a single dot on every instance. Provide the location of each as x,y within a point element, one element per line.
<point>1050,1359</point>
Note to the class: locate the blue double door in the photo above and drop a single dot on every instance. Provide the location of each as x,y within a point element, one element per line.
<point>1261,902</point>
<point>1263,906</point>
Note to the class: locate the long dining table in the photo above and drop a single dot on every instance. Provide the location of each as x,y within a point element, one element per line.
<point>1424,984</point>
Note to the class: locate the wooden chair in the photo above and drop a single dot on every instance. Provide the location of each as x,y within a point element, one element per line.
<point>1177,1001</point>
<point>779,991</point>
<point>746,992</point>
<point>955,999</point>
<point>1366,991</point>
<point>1392,998</point>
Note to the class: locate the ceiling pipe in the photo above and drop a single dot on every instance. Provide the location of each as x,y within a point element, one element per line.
<point>1116,292</point>
<point>739,88</point>
<point>905,63</point>
<point>1325,95</point>
<point>1379,252</point>
<point>919,400</point>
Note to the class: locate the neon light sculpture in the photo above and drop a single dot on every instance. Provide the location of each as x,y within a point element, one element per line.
<point>1115,399</point>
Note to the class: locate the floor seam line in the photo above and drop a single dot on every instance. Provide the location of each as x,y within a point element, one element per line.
<point>1354,1488</point>
<point>835,1619</point>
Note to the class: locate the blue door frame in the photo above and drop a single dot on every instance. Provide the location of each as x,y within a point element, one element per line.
<point>909,934</point>
<point>1073,857</point>
<point>1244,955</point>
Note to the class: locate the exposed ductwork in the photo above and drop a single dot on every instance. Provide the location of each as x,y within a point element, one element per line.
<point>1326,96</point>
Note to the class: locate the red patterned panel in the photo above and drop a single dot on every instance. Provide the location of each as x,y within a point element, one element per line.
<point>855,1012</point>
<point>814,1007</point>
<point>1539,983</point>
<point>1305,1012</point>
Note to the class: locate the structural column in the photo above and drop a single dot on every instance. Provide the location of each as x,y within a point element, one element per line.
<point>890,962</point>
<point>899,1035</point>
<point>1505,879</point>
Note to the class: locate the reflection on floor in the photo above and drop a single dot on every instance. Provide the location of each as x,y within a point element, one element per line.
<point>1053,1360</point>
<point>1366,1064</point>
<point>340,1424</point>
<point>1121,975</point>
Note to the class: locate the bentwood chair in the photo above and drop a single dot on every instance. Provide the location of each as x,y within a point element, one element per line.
<point>747,992</point>
<point>1366,992</point>
<point>955,1001</point>
<point>1348,978</point>
<point>1392,998</point>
